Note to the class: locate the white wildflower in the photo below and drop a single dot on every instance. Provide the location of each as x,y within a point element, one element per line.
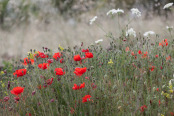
<point>130,32</point>
<point>146,34</point>
<point>98,41</point>
<point>168,5</point>
<point>92,20</point>
<point>134,92</point>
<point>169,28</point>
<point>163,86</point>
<point>170,83</point>
<point>136,11</point>
<point>113,11</point>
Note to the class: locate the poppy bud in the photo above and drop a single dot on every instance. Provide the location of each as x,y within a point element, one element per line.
<point>8,87</point>
<point>16,99</point>
<point>38,103</point>
<point>6,99</point>
<point>33,93</point>
<point>52,100</point>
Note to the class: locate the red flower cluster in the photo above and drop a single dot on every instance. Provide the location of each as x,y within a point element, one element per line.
<point>20,72</point>
<point>43,66</point>
<point>41,55</point>
<point>163,43</point>
<point>152,68</point>
<point>86,98</point>
<point>80,71</point>
<point>83,50</point>
<point>144,55</point>
<point>56,55</point>
<point>143,108</point>
<point>59,71</point>
<point>17,90</point>
<point>50,61</point>
<point>93,86</point>
<point>77,87</point>
<point>89,55</point>
<point>61,60</point>
<point>49,81</point>
<point>28,61</point>
<point>139,52</point>
<point>77,58</point>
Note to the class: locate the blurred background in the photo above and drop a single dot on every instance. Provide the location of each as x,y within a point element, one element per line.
<point>33,24</point>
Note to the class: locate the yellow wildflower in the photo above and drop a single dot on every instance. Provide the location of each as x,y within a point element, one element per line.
<point>2,72</point>
<point>170,87</point>
<point>162,114</point>
<point>110,62</point>
<point>30,55</point>
<point>61,48</point>
<point>167,95</point>
<point>3,85</point>
<point>6,93</point>
<point>171,91</point>
<point>162,93</point>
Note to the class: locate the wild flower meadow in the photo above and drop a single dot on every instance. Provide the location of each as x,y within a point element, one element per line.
<point>134,76</point>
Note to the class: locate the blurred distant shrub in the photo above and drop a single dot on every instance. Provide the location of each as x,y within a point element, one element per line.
<point>17,11</point>
<point>3,11</point>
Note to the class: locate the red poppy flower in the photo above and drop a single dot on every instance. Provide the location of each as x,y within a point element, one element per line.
<point>80,71</point>
<point>77,58</point>
<point>43,66</point>
<point>77,87</point>
<point>157,89</point>
<point>83,50</point>
<point>62,60</point>
<point>163,43</point>
<point>152,68</point>
<point>144,55</point>
<point>28,114</point>
<point>171,113</point>
<point>49,81</point>
<point>139,52</point>
<point>50,61</point>
<point>6,98</point>
<point>20,72</point>
<point>56,55</point>
<point>39,87</point>
<point>156,56</point>
<point>86,98</point>
<point>159,102</point>
<point>17,90</point>
<point>168,58</point>
<point>89,55</point>
<point>132,53</point>
<point>59,71</point>
<point>127,49</point>
<point>41,55</point>
<point>28,61</point>
<point>72,111</point>
<point>93,86</point>
<point>143,108</point>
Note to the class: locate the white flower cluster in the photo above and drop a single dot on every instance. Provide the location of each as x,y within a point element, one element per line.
<point>136,12</point>
<point>168,5</point>
<point>130,32</point>
<point>92,20</point>
<point>98,41</point>
<point>146,34</point>
<point>169,28</point>
<point>114,11</point>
